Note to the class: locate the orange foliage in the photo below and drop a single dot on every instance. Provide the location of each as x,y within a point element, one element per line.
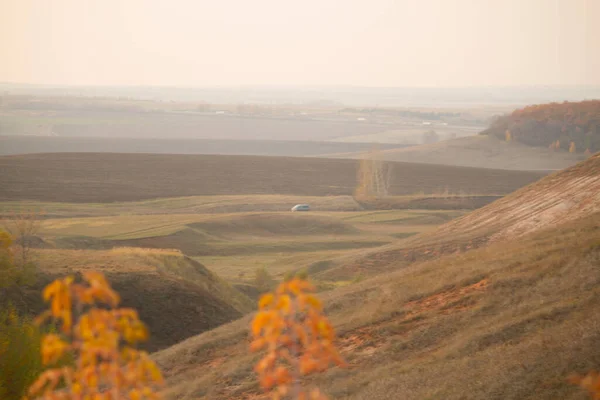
<point>544,124</point>
<point>100,341</point>
<point>298,338</point>
<point>572,148</point>
<point>590,382</point>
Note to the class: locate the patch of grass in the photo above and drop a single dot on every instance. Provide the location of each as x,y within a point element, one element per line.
<point>146,252</point>
<point>403,235</point>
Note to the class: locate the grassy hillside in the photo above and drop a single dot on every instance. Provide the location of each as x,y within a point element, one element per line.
<point>555,199</point>
<point>235,244</point>
<point>511,320</point>
<point>480,152</point>
<point>184,205</point>
<point>95,177</point>
<point>558,198</point>
<point>176,296</point>
<point>543,124</point>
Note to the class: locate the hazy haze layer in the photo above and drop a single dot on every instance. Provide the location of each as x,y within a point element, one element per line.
<point>314,42</point>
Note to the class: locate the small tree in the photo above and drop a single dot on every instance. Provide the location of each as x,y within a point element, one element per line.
<point>20,360</point>
<point>101,341</point>
<point>23,227</point>
<point>298,338</point>
<point>508,136</point>
<point>430,137</point>
<point>572,148</point>
<point>263,280</point>
<point>373,177</point>
<point>8,272</point>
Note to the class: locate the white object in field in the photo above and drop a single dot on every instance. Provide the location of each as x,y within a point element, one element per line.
<point>301,207</point>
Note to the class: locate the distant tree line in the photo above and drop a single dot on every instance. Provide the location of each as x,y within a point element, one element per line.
<point>560,126</point>
<point>427,115</point>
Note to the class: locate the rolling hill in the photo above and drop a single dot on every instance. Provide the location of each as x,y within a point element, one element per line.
<point>511,319</point>
<point>110,177</point>
<point>175,296</point>
<point>558,198</point>
<point>479,152</point>
<point>537,137</point>
<point>561,197</point>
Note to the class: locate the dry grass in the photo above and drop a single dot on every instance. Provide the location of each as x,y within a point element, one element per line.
<point>234,245</point>
<point>184,205</point>
<point>145,251</point>
<point>556,199</point>
<point>175,295</point>
<point>509,321</point>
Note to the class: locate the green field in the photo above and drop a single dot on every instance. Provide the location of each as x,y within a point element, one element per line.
<point>233,245</point>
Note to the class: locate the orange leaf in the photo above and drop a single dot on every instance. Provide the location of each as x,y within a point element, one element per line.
<point>266,300</point>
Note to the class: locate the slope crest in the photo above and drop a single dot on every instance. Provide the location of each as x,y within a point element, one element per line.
<point>175,296</point>
<point>556,199</point>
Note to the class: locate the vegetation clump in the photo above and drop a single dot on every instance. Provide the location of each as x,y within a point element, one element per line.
<point>100,340</point>
<point>570,126</point>
<point>20,360</point>
<point>297,337</point>
<point>590,382</point>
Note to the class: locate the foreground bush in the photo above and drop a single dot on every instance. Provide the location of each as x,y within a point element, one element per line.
<point>15,269</point>
<point>297,337</point>
<point>20,360</point>
<point>100,340</point>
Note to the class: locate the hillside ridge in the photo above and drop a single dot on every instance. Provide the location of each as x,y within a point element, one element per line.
<point>176,296</point>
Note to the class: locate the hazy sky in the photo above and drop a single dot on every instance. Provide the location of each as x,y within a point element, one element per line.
<point>308,42</point>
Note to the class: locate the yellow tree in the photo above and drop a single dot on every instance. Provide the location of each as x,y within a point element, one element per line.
<point>100,341</point>
<point>23,227</point>
<point>297,337</point>
<point>572,148</point>
<point>507,136</point>
<point>373,177</point>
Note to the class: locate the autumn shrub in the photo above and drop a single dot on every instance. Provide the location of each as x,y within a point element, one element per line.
<point>297,337</point>
<point>20,360</point>
<point>13,271</point>
<point>263,280</point>
<point>589,382</point>
<point>100,340</point>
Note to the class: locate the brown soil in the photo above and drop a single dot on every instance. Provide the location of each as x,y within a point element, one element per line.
<point>107,177</point>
